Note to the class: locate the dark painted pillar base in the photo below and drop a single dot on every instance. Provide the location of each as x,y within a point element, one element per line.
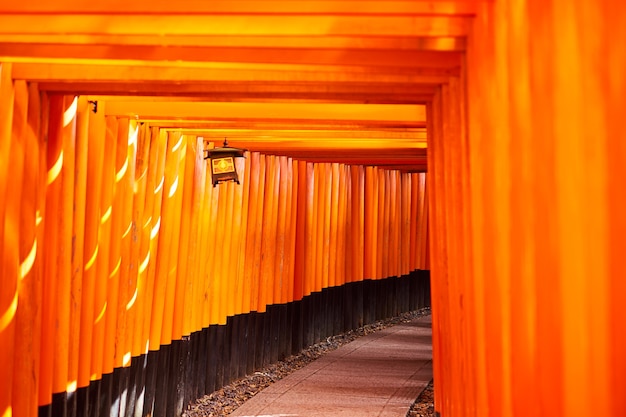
<point>45,411</point>
<point>252,342</point>
<point>211,352</point>
<point>59,404</point>
<point>164,382</point>
<point>82,401</point>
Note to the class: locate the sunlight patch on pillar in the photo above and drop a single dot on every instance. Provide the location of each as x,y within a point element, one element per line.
<point>70,113</point>
<point>55,170</point>
<point>8,316</point>
<point>155,229</point>
<point>92,260</point>
<point>28,263</point>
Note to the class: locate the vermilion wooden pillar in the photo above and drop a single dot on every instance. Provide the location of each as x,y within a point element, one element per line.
<point>12,124</point>
<point>528,217</point>
<point>28,315</point>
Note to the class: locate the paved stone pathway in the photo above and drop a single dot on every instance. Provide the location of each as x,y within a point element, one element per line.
<point>378,375</point>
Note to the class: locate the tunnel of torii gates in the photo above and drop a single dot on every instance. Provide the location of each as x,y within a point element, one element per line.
<point>130,285</point>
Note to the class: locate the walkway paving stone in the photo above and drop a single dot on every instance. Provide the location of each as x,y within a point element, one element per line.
<point>378,375</point>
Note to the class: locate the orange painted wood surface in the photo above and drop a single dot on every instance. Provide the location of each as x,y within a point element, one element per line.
<point>357,238</point>
<point>12,257</point>
<point>317,213</point>
<point>340,229</point>
<point>268,238</point>
<point>381,219</point>
<point>54,163</point>
<point>172,211</point>
<point>101,305</point>
<point>125,245</point>
<point>309,231</point>
<point>253,241</point>
<point>78,239</point>
<point>28,315</point>
<point>224,240</point>
<point>204,315</point>
<point>280,259</point>
<point>523,168</point>
<point>115,211</point>
<point>129,294</point>
<point>67,136</point>
<point>300,198</point>
<point>192,299</point>
<point>213,256</point>
<point>140,238</point>
<point>125,177</point>
<point>369,229</point>
<point>523,206</point>
<point>183,272</point>
<point>242,207</point>
<point>293,226</point>
<point>152,228</point>
<point>92,249</point>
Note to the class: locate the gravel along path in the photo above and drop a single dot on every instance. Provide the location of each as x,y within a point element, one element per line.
<point>424,405</point>
<point>225,400</point>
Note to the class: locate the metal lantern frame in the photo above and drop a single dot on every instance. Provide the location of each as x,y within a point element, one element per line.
<point>222,163</point>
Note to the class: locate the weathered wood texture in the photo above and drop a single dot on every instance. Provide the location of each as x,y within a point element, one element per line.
<point>141,253</point>
<point>525,156</point>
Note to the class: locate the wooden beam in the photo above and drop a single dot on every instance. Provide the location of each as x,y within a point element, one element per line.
<point>386,146</point>
<point>404,43</point>
<point>206,110</point>
<point>414,136</point>
<point>367,157</point>
<point>296,56</point>
<point>407,163</point>
<point>292,124</point>
<point>401,153</point>
<point>241,97</point>
<point>418,167</point>
<point>252,91</point>
<point>160,25</point>
<point>306,7</point>
<point>372,153</point>
<point>168,73</point>
<point>200,90</point>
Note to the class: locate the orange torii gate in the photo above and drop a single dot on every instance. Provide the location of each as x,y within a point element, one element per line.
<point>526,162</point>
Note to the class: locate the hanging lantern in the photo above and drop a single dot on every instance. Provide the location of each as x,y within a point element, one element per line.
<point>222,162</point>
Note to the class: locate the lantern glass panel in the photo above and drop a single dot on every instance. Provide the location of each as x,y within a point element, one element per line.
<point>223,165</point>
